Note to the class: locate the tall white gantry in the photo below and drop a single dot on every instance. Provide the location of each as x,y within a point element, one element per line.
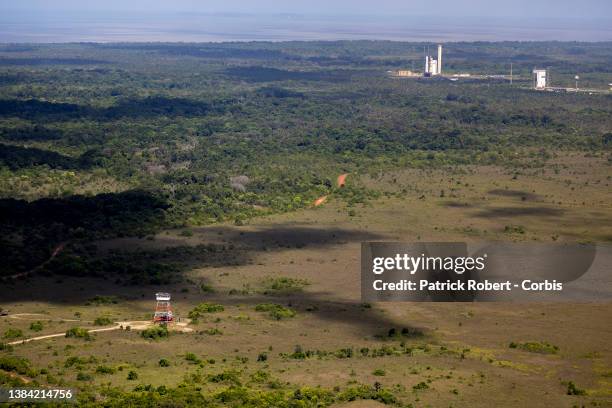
<point>433,66</point>
<point>540,79</point>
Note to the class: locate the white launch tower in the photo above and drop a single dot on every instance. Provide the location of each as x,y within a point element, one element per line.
<point>433,66</point>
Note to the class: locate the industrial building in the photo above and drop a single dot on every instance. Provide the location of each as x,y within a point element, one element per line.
<point>540,79</point>
<point>433,66</point>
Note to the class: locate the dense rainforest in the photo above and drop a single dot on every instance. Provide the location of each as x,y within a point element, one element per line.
<point>108,140</point>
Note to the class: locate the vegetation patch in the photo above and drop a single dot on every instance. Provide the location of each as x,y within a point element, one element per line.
<point>103,321</point>
<point>280,285</point>
<point>78,332</point>
<point>156,332</point>
<point>36,326</point>
<point>572,389</point>
<point>535,347</point>
<point>12,333</point>
<point>227,377</point>
<point>102,300</point>
<point>15,364</point>
<point>203,309</point>
<point>276,311</point>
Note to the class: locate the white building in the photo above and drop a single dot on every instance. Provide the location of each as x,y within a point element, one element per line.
<point>540,79</point>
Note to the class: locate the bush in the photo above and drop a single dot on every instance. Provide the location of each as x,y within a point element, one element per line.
<point>420,386</point>
<point>16,364</point>
<point>12,333</point>
<point>105,370</point>
<point>6,347</point>
<point>535,347</point>
<point>365,392</point>
<point>284,284</point>
<point>344,353</point>
<point>132,375</point>
<point>103,321</point>
<point>155,333</point>
<point>204,308</point>
<point>230,377</point>
<point>260,376</point>
<point>573,390</point>
<point>262,357</point>
<point>164,363</point>
<point>192,358</point>
<point>78,332</point>
<point>207,288</point>
<point>36,326</point>
<point>379,372</point>
<point>81,376</point>
<point>275,311</point>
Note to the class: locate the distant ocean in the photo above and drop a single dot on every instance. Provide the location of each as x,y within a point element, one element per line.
<point>237,27</point>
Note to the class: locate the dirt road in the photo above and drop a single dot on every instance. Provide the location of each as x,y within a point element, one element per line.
<point>133,325</point>
<point>340,182</point>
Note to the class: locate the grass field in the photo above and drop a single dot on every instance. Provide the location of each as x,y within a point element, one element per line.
<point>320,334</point>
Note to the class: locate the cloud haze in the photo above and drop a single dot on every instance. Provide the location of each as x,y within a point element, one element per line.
<point>448,8</point>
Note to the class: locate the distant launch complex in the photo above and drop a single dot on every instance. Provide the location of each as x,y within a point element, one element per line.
<point>540,77</point>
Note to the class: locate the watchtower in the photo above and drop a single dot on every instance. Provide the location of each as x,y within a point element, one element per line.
<point>163,310</point>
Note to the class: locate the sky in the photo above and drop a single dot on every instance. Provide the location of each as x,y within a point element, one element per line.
<point>274,20</point>
<point>572,9</point>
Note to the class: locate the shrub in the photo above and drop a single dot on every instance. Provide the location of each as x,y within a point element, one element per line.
<point>404,332</point>
<point>344,353</point>
<point>420,386</point>
<point>132,375</point>
<point>78,361</point>
<point>36,326</point>
<point>78,332</point>
<point>103,321</point>
<point>229,376</point>
<point>379,372</point>
<point>204,308</point>
<point>212,331</point>
<point>105,370</point>
<point>16,364</point>
<point>207,288</point>
<point>514,229</point>
<point>276,311</point>
<point>81,376</point>
<point>164,363</point>
<point>535,347</point>
<point>192,358</point>
<point>12,333</point>
<point>156,332</point>
<point>573,390</point>
<point>6,347</point>
<point>260,376</point>
<point>262,357</point>
<point>365,392</point>
<point>283,284</point>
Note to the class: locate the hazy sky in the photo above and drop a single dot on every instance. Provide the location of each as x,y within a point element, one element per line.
<point>598,9</point>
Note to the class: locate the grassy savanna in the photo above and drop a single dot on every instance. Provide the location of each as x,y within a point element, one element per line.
<point>127,169</point>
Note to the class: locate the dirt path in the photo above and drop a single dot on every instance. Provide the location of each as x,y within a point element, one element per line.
<point>340,182</point>
<point>135,325</point>
<point>24,316</point>
<point>55,253</point>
